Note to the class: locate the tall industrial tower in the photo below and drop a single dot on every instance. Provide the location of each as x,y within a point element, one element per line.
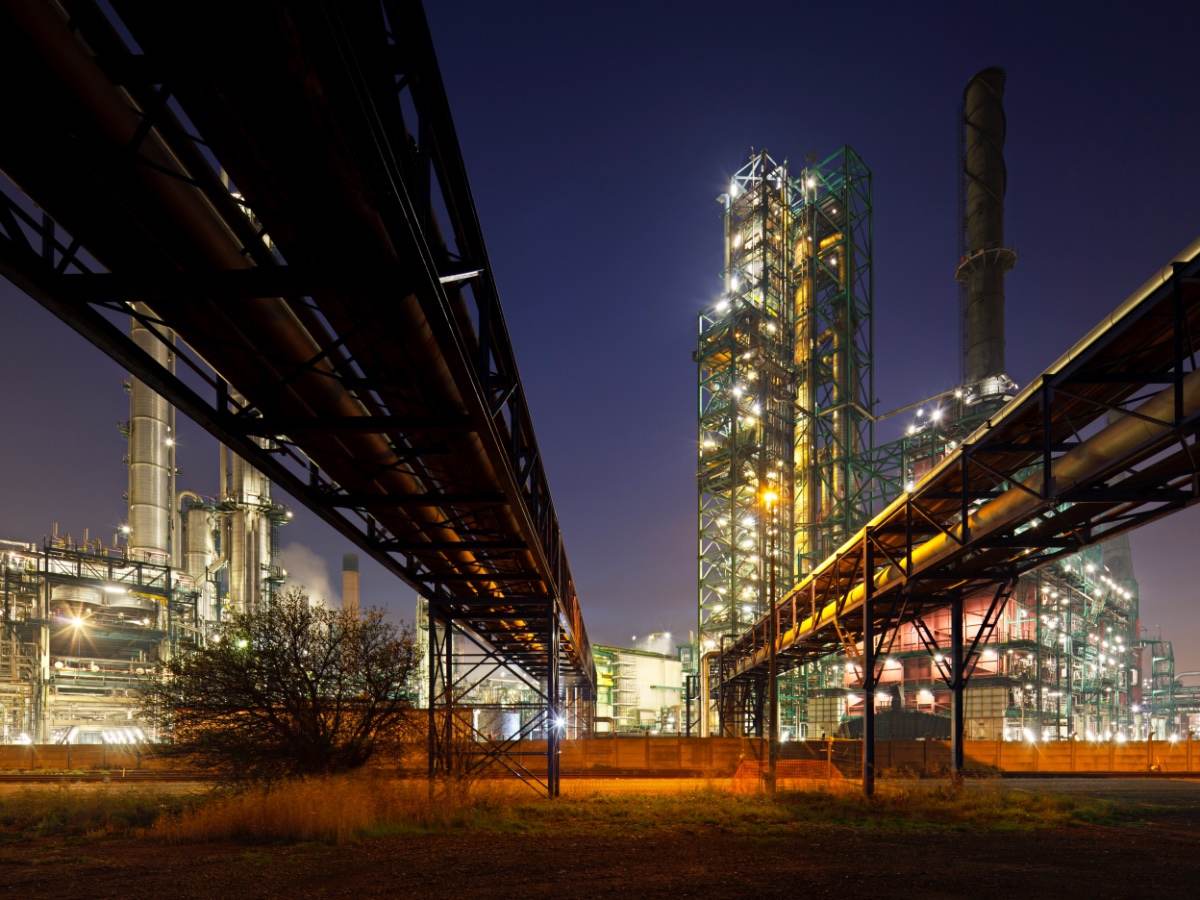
<point>785,384</point>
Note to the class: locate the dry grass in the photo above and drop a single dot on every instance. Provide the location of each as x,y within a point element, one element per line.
<point>350,807</point>
<point>338,809</point>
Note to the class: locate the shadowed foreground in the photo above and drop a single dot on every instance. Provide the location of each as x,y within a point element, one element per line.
<point>1105,839</point>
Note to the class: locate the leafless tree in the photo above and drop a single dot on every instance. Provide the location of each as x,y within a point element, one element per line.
<point>287,689</point>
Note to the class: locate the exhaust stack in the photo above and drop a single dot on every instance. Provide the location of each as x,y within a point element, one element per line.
<point>350,584</point>
<point>985,259</point>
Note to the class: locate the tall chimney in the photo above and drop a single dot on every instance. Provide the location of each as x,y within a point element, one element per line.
<point>350,584</point>
<point>985,259</point>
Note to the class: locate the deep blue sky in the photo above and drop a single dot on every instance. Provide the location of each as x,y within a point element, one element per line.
<point>597,139</point>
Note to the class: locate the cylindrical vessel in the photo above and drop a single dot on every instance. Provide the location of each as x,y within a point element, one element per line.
<point>150,457</point>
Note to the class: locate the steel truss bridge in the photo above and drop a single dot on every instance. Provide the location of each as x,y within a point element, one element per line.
<point>279,187</point>
<point>1105,440</point>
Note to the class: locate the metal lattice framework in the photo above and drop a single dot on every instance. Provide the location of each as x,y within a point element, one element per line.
<point>785,387</point>
<point>746,403</point>
<point>300,217</point>
<point>836,483</point>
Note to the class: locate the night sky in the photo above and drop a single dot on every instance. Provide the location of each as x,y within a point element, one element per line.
<point>597,140</point>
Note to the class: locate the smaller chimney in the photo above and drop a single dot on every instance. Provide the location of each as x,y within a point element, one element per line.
<point>350,584</point>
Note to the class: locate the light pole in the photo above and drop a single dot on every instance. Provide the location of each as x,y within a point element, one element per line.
<point>769,498</point>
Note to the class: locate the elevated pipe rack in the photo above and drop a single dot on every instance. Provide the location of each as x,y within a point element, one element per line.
<point>1047,475</point>
<point>281,186</point>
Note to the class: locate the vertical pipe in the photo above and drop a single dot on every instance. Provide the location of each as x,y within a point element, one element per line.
<point>772,669</point>
<point>957,686</point>
<point>868,665</point>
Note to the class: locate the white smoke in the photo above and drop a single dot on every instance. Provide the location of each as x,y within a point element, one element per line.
<point>307,570</point>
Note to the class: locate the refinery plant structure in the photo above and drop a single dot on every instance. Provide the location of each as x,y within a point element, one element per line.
<point>788,467</point>
<point>86,621</point>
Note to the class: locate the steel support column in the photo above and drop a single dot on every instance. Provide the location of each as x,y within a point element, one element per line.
<point>868,670</point>
<point>957,686</point>
<point>553,718</point>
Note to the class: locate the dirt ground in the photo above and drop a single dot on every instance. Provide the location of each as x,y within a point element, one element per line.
<point>1157,856</point>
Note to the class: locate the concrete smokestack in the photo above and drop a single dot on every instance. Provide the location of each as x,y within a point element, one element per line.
<point>985,259</point>
<point>350,584</point>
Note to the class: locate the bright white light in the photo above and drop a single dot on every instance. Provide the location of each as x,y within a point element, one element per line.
<point>1027,733</point>
<point>170,442</point>
<point>734,283</point>
<point>733,188</point>
<point>936,415</point>
<point>560,723</point>
<point>722,306</point>
<point>76,622</point>
<point>1174,739</point>
<point>924,695</point>
<point>242,643</point>
<point>958,393</point>
<point>288,514</point>
<point>812,182</point>
<point>125,529</point>
<point>920,412</point>
<point>115,589</point>
<point>881,696</point>
<point>852,699</point>
<point>912,429</point>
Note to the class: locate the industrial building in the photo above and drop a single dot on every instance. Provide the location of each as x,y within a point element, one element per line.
<point>638,691</point>
<point>788,468</point>
<point>86,620</point>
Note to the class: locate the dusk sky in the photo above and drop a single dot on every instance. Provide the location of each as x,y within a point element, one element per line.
<point>597,138</point>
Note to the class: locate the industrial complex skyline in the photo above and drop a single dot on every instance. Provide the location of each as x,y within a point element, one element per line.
<point>602,276</point>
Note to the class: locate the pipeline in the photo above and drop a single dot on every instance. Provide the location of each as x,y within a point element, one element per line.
<point>1119,441</point>
<point>208,242</point>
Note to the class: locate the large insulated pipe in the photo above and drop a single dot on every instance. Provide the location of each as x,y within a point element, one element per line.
<point>350,602</point>
<point>1088,460</point>
<point>150,457</point>
<point>985,258</point>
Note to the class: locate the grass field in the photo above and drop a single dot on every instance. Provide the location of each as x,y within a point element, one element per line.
<point>376,837</point>
<point>344,809</point>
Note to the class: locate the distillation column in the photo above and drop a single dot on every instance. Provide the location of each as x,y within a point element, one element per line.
<point>151,456</point>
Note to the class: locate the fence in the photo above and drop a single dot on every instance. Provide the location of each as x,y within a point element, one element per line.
<point>717,757</point>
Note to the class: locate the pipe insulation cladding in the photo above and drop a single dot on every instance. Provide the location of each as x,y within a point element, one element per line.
<point>985,259</point>
<point>151,459</point>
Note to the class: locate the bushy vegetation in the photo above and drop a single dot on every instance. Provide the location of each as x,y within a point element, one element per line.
<point>286,689</point>
<point>82,810</point>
